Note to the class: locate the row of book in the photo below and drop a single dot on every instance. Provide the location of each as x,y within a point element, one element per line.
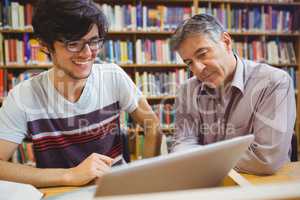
<point>155,52</point>
<point>130,17</point>
<point>28,51</point>
<point>161,17</point>
<point>151,84</point>
<point>160,83</point>
<point>22,51</point>
<point>273,52</point>
<point>140,17</point>
<point>261,18</point>
<point>14,15</point>
<point>146,51</point>
<point>118,51</point>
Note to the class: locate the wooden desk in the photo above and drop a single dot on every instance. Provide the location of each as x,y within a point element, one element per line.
<point>51,191</point>
<point>289,173</point>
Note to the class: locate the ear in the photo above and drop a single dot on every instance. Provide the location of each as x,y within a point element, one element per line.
<point>44,47</point>
<point>226,38</point>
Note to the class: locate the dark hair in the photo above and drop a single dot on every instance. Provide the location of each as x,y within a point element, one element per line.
<point>198,24</point>
<point>57,20</point>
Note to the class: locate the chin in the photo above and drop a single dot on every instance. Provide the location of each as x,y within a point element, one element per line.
<point>80,75</point>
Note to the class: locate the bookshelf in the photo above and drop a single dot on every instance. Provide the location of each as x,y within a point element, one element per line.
<point>148,29</point>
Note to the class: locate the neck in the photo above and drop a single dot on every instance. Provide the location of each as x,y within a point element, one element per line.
<point>66,86</point>
<point>231,69</point>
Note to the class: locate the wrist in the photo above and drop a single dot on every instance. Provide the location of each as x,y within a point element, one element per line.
<point>67,177</point>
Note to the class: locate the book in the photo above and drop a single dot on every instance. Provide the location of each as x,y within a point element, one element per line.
<point>16,191</point>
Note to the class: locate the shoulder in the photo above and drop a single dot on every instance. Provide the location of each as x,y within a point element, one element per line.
<point>262,72</point>
<point>27,90</point>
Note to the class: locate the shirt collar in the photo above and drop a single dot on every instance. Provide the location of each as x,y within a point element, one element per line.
<point>238,78</point>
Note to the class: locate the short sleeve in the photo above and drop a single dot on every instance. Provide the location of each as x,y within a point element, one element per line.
<point>12,119</point>
<point>128,93</point>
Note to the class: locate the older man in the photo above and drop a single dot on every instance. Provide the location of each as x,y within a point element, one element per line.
<point>230,96</point>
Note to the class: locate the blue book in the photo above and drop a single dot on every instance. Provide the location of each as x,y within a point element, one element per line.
<point>153,52</point>
<point>117,51</point>
<point>27,49</point>
<point>139,16</point>
<point>257,18</point>
<point>130,52</point>
<point>111,51</point>
<point>6,5</point>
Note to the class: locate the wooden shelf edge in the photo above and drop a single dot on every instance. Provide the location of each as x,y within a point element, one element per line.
<point>158,32</point>
<point>160,97</point>
<point>132,130</point>
<point>253,2</point>
<point>38,66</point>
<point>152,65</point>
<point>26,66</point>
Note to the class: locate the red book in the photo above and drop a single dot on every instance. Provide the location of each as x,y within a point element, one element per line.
<point>28,14</point>
<point>1,83</point>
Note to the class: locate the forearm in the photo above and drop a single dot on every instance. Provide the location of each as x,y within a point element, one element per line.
<point>34,176</point>
<point>264,160</point>
<point>146,118</point>
<point>152,138</point>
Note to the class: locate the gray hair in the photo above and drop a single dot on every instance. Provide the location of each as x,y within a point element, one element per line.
<point>198,24</point>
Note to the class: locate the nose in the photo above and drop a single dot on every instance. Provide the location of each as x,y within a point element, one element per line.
<point>86,51</point>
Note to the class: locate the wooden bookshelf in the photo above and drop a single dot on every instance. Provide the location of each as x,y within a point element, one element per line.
<point>168,33</point>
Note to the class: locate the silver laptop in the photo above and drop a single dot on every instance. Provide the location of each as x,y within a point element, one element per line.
<point>203,166</point>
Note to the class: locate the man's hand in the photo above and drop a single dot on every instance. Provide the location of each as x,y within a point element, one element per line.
<point>96,165</point>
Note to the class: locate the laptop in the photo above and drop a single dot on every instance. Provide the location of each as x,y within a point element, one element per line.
<point>199,167</point>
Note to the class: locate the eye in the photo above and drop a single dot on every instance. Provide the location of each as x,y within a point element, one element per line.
<point>96,42</point>
<point>74,44</point>
<point>201,55</point>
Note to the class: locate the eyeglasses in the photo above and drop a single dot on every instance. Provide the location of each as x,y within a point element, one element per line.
<point>78,45</point>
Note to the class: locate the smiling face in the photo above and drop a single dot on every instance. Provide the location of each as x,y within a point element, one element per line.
<point>211,62</point>
<point>75,66</point>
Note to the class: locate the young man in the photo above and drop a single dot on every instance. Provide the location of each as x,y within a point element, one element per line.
<point>71,112</point>
<point>229,96</point>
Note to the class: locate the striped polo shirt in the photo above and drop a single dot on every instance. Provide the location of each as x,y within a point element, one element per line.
<point>65,133</point>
